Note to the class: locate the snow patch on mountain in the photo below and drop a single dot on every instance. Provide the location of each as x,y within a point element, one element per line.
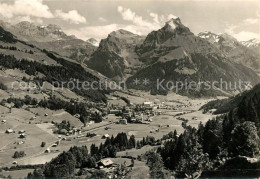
<point>93,42</point>
<point>251,43</point>
<point>210,36</point>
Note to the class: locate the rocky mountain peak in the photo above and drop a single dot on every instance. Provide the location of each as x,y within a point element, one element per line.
<point>174,26</point>
<point>209,36</point>
<point>54,27</point>
<point>121,33</point>
<point>173,23</point>
<point>25,25</point>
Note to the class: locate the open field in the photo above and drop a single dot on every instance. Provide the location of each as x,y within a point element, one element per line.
<point>31,145</point>
<point>136,152</point>
<point>57,116</point>
<point>16,174</point>
<point>140,170</point>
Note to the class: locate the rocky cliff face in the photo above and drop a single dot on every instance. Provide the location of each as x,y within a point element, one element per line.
<point>115,56</point>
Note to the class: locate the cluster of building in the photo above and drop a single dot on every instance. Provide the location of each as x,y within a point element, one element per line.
<point>138,113</point>
<point>20,132</point>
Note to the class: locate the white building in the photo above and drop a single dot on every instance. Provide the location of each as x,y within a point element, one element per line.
<point>148,104</point>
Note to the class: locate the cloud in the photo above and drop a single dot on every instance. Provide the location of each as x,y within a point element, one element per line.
<point>245,30</point>
<point>244,36</point>
<point>72,16</point>
<point>250,21</point>
<point>141,25</point>
<point>102,19</point>
<point>101,32</point>
<point>29,19</point>
<point>97,32</point>
<point>230,28</point>
<point>155,17</point>
<point>137,25</point>
<point>129,15</point>
<point>170,16</point>
<point>25,8</point>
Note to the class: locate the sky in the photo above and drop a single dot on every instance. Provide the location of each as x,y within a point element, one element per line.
<point>97,18</point>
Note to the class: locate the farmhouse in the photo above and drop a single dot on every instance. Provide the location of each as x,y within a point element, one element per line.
<point>22,135</point>
<point>21,142</point>
<point>128,114</point>
<point>70,132</point>
<point>105,136</point>
<point>133,120</point>
<point>21,131</point>
<point>104,163</point>
<point>47,150</point>
<point>77,115</point>
<point>122,121</point>
<point>148,104</point>
<point>114,111</point>
<point>63,131</point>
<point>9,131</point>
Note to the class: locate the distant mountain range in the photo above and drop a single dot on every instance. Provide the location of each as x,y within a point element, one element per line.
<point>28,31</point>
<point>52,38</point>
<point>175,53</point>
<point>246,53</point>
<point>171,53</point>
<point>251,43</point>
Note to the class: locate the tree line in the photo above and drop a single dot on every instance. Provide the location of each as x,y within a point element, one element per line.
<point>80,157</point>
<point>73,107</point>
<point>56,73</point>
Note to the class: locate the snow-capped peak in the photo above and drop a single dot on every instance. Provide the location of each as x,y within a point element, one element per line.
<point>251,43</point>
<point>213,38</point>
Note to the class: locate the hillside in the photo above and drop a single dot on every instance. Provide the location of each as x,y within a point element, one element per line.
<point>76,49</point>
<point>225,105</point>
<point>245,106</point>
<point>34,64</point>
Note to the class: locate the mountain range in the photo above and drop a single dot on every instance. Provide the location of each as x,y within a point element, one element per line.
<point>175,53</point>
<point>246,53</point>
<point>52,38</point>
<point>170,53</point>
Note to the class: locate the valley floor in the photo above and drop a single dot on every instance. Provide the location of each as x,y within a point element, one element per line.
<point>40,129</point>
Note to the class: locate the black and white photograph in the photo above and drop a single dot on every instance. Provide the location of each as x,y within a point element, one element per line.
<point>129,89</point>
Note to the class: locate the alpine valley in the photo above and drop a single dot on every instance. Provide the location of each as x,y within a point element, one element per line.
<point>62,118</point>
